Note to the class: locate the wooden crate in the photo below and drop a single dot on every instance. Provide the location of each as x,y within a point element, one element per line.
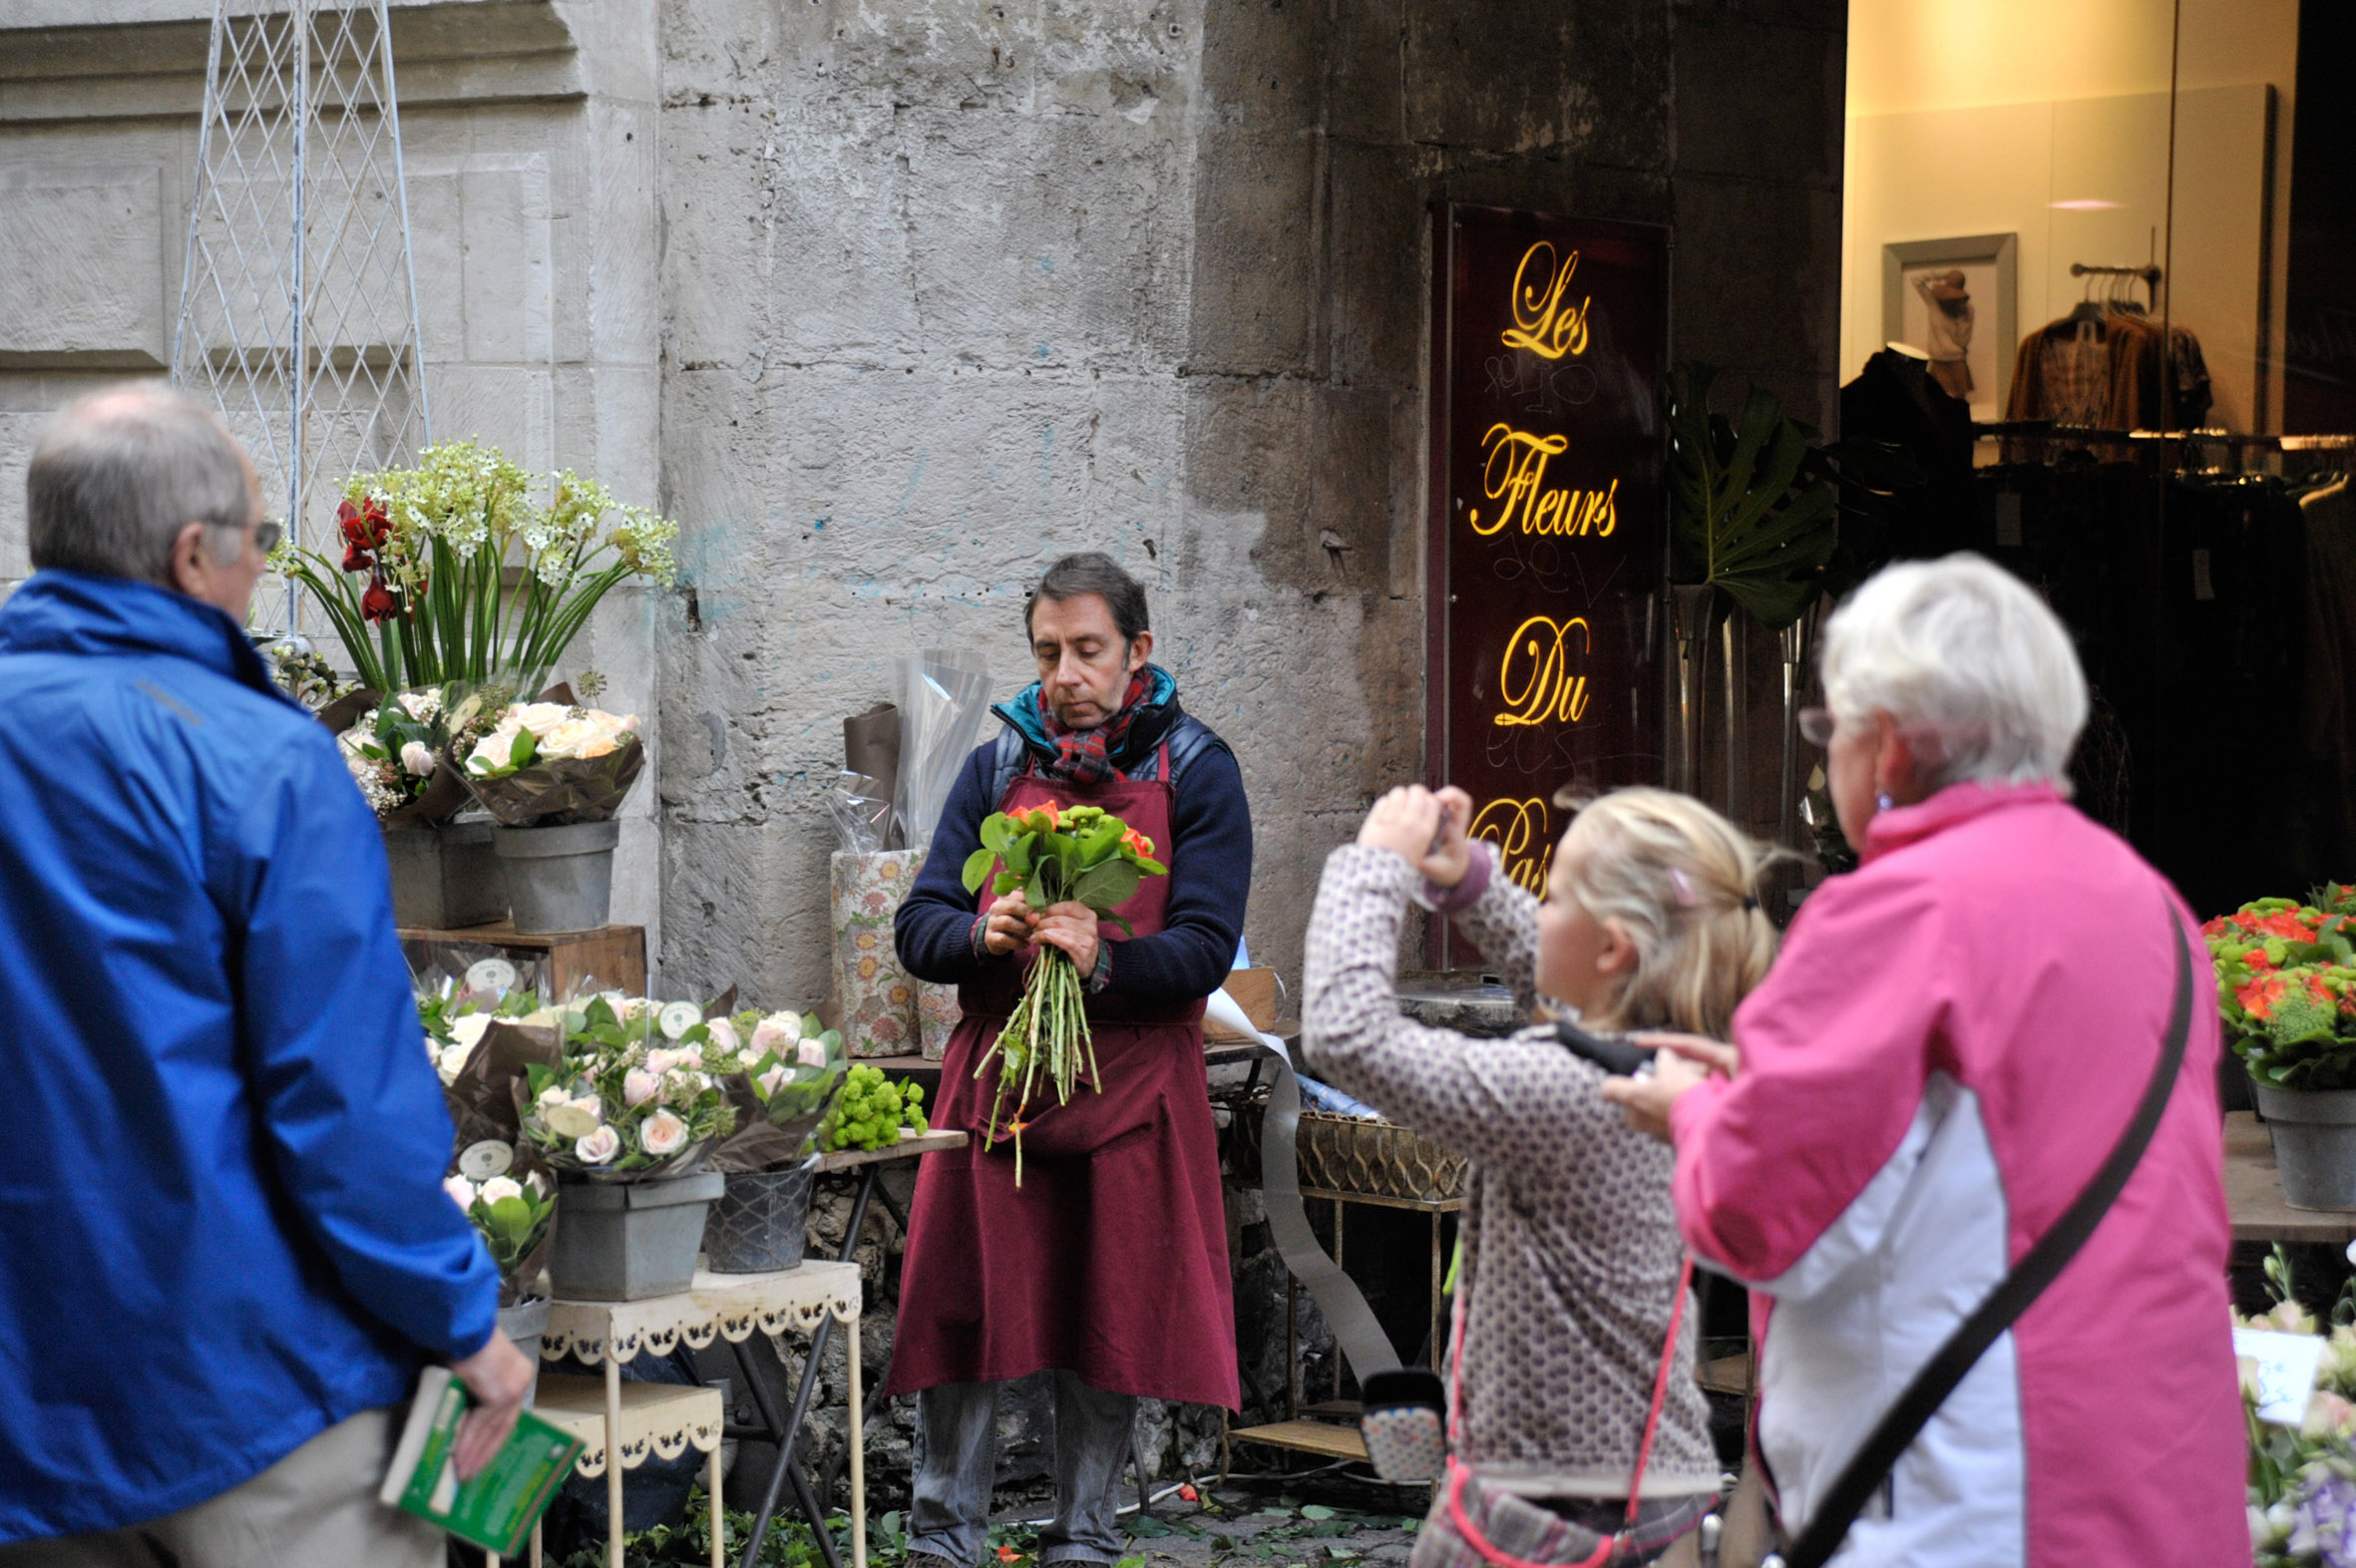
<point>610,960</point>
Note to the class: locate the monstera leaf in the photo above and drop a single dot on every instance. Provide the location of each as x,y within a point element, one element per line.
<point>1749,514</point>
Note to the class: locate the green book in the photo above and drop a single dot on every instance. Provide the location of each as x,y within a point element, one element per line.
<point>496,1509</point>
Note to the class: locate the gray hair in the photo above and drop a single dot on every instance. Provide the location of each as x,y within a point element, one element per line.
<point>1970,665</point>
<point>116,475</point>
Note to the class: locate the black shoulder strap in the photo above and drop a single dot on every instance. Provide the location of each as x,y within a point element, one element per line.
<point>1829,1526</point>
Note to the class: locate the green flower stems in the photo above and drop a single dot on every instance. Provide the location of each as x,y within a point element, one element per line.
<point>1050,1028</point>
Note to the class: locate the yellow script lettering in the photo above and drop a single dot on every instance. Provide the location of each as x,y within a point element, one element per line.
<point>1541,323</point>
<point>1535,679</point>
<point>1515,474</point>
<point>1515,826</point>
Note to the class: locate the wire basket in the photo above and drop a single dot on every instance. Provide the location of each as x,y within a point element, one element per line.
<point>1349,1154</point>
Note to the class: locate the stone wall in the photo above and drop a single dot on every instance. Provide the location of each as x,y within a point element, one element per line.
<point>952,288</point>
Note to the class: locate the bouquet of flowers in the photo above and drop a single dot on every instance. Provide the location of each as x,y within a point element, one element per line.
<point>636,1092</point>
<point>2303,1474</point>
<point>2286,987</point>
<point>785,1072</point>
<point>393,750</point>
<point>550,764</point>
<point>459,566</point>
<point>1081,855</point>
<point>510,1216</point>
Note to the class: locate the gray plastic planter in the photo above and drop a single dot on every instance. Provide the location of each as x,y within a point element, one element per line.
<point>445,878</point>
<point>559,879</point>
<point>760,1222</point>
<point>625,1241</point>
<point>2314,1135</point>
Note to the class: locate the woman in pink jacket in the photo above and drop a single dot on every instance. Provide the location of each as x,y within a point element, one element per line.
<point>1954,1037</point>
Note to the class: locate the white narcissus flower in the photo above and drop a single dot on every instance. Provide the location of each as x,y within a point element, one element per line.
<point>661,1134</point>
<point>724,1039</point>
<point>638,1085</point>
<point>418,758</point>
<point>777,1030</point>
<point>598,1147</point>
<point>499,1187</point>
<point>574,1118</point>
<point>470,1030</point>
<point>813,1053</point>
<point>462,1191</point>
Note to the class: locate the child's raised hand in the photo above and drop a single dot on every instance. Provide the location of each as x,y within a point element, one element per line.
<point>1446,865</point>
<point>1404,822</point>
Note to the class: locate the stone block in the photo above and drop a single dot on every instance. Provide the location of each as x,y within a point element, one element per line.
<point>1254,276</point>
<point>1378,267</point>
<point>1735,307</point>
<point>1592,80</point>
<point>1365,72</point>
<point>1352,457</point>
<point>1263,64</point>
<point>1760,102</point>
<point>82,265</point>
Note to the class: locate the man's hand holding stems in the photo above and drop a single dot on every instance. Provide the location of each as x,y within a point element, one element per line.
<point>1014,924</point>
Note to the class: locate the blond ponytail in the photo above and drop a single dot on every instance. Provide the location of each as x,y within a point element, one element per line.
<point>1683,882</point>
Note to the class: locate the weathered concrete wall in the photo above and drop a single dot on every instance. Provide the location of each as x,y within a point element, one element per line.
<point>952,288</point>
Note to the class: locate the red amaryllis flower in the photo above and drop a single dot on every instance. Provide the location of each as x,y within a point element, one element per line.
<point>365,526</point>
<point>357,558</point>
<point>377,602</point>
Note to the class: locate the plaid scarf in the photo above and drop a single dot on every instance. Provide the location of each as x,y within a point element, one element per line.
<point>1084,756</point>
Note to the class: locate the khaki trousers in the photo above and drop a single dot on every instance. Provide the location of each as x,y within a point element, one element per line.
<point>315,1508</point>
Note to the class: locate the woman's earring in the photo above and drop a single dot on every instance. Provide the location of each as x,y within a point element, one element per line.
<point>1884,801</point>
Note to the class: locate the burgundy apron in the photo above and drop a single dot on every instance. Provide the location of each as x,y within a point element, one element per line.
<point>1110,1260</point>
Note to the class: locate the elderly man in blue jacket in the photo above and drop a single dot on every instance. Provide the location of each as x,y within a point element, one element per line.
<point>224,1248</point>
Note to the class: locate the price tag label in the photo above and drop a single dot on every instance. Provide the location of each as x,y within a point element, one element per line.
<point>2286,1371</point>
<point>478,1162</point>
<point>491,974</point>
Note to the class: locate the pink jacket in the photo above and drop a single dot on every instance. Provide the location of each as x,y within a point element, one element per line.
<point>1950,1044</point>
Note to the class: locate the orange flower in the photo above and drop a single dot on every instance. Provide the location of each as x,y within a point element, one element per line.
<point>1008,1554</point>
<point>2257,998</point>
<point>1138,844</point>
<point>1190,1494</point>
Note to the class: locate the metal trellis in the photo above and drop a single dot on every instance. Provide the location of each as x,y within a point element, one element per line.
<point>298,309</point>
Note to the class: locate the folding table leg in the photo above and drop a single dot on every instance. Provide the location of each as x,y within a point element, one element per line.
<point>612,1460</point>
<point>719,1548</point>
<point>792,1433</point>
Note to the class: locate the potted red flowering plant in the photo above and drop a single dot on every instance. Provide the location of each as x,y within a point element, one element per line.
<point>2286,988</point>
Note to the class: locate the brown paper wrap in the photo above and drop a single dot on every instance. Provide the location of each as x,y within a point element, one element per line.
<point>484,1101</point>
<point>559,794</point>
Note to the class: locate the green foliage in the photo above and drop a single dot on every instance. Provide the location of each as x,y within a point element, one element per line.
<point>1744,517</point>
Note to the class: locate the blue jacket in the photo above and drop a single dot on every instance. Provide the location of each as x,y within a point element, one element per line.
<point>1210,857</point>
<point>221,1224</point>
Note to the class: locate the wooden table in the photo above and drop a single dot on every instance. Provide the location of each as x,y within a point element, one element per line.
<point>2253,1193</point>
<point>733,1307</point>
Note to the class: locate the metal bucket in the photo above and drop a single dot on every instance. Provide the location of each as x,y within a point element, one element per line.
<point>760,1222</point>
<point>625,1241</point>
<point>2315,1132</point>
<point>445,878</point>
<point>525,1323</point>
<point>559,879</point>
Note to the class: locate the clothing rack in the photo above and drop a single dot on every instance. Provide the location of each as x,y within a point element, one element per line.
<point>2149,272</point>
<point>2175,450</point>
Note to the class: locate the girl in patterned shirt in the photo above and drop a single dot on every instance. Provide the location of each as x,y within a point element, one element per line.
<point>1572,1267</point>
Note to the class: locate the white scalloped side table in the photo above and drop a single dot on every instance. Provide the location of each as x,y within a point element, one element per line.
<point>644,1417</point>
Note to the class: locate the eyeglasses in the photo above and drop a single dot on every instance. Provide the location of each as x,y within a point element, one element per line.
<point>1816,726</point>
<point>266,535</point>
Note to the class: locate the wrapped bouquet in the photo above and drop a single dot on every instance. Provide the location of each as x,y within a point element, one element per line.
<point>553,764</point>
<point>393,749</point>
<point>636,1092</point>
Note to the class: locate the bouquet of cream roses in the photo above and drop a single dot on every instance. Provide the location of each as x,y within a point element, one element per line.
<point>636,1092</point>
<point>789,1070</point>
<point>552,764</point>
<point>392,747</point>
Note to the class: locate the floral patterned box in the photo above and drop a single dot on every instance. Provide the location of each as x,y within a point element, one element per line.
<point>879,999</point>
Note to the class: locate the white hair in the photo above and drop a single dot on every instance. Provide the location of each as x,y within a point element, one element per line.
<point>1970,665</point>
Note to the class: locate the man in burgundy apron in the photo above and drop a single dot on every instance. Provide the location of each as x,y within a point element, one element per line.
<point>1107,1267</point>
